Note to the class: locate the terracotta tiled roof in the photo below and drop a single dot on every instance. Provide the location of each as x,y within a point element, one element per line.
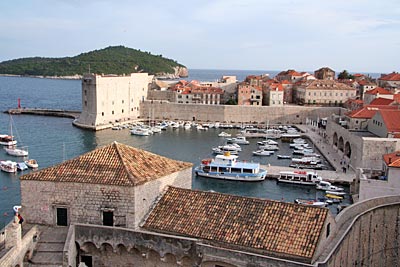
<point>367,112</point>
<point>381,101</point>
<point>114,164</point>
<point>261,226</point>
<point>391,118</point>
<point>378,90</point>
<point>392,159</point>
<point>394,76</point>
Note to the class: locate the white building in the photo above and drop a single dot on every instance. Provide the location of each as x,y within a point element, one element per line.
<point>109,99</point>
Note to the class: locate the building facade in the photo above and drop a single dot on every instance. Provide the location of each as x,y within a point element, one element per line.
<point>109,99</point>
<point>323,92</point>
<point>324,74</point>
<point>249,95</point>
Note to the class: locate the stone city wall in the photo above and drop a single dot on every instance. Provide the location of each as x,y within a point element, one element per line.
<point>233,113</point>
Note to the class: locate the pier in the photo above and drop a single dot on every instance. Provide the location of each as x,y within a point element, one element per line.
<point>73,114</point>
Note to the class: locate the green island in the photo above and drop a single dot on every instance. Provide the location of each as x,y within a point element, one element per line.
<point>111,60</point>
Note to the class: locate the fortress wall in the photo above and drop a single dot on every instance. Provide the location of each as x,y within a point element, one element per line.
<point>232,113</point>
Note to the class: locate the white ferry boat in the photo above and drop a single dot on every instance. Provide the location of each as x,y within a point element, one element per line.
<point>299,177</point>
<point>227,167</point>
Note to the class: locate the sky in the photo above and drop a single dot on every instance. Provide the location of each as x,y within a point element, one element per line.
<point>305,35</point>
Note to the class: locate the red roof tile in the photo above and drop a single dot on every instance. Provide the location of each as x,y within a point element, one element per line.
<point>367,112</point>
<point>381,101</point>
<point>114,164</point>
<point>394,76</point>
<point>261,226</point>
<point>391,119</point>
<point>392,159</point>
<point>378,90</point>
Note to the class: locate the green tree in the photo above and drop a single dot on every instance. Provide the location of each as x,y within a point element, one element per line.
<point>345,75</point>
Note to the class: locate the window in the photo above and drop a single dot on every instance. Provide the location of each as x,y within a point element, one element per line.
<point>108,218</point>
<point>122,111</point>
<point>112,103</point>
<point>102,114</point>
<point>112,112</point>
<point>131,109</point>
<point>122,101</point>
<point>85,92</point>
<point>328,229</point>
<point>85,103</point>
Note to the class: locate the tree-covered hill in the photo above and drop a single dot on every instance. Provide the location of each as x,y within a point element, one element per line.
<point>110,60</point>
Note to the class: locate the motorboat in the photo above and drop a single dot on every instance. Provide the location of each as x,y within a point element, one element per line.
<point>32,163</point>
<point>299,177</point>
<point>334,198</point>
<point>336,193</point>
<point>240,140</point>
<point>311,202</point>
<point>21,166</point>
<point>227,167</point>
<point>284,157</point>
<point>224,134</point>
<point>327,186</point>
<point>267,142</point>
<point>263,152</point>
<point>306,160</point>
<point>7,140</point>
<point>140,131</point>
<point>234,148</point>
<point>201,128</point>
<point>299,141</point>
<point>269,147</point>
<point>17,152</point>
<point>8,166</point>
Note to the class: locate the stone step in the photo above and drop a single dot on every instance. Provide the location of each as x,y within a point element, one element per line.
<point>46,258</point>
<point>49,247</point>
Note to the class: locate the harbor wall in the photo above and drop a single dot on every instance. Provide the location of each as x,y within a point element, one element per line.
<point>288,114</point>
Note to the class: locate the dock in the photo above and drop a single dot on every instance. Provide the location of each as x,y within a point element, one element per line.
<point>73,114</point>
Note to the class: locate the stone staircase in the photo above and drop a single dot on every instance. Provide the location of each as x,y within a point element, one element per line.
<point>49,250</point>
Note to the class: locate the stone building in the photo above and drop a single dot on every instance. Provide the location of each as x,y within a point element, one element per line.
<point>249,95</point>
<point>323,92</point>
<point>390,81</point>
<point>195,93</point>
<point>273,95</point>
<point>113,185</point>
<point>377,92</point>
<point>324,74</point>
<point>109,99</point>
<point>385,123</point>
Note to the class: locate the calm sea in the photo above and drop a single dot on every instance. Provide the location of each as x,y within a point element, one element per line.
<point>52,140</point>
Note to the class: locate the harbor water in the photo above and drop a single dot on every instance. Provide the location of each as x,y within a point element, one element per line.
<point>52,140</point>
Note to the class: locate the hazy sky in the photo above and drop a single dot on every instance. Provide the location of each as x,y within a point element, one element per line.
<point>357,35</point>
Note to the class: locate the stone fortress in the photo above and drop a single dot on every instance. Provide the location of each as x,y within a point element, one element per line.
<point>120,206</point>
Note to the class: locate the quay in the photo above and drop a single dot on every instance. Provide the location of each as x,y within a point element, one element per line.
<point>45,112</point>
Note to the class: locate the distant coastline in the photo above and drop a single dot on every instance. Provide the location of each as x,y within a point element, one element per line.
<point>74,77</point>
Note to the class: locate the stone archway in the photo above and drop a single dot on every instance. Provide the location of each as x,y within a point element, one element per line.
<point>340,144</point>
<point>335,139</point>
<point>347,150</point>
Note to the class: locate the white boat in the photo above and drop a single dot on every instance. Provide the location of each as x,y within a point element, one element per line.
<point>17,152</point>
<point>32,163</point>
<point>229,147</point>
<point>299,177</point>
<point>156,129</point>
<point>306,160</point>
<point>217,150</point>
<point>267,142</point>
<point>140,131</point>
<point>7,140</point>
<point>187,126</point>
<point>269,147</point>
<point>327,186</point>
<point>311,202</point>
<point>227,167</point>
<point>263,152</point>
<point>21,166</point>
<point>201,128</point>
<point>8,166</point>
<point>224,134</point>
<point>241,140</point>
<point>299,141</point>
<point>284,157</point>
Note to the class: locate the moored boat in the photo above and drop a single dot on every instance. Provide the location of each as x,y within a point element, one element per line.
<point>327,186</point>
<point>21,166</point>
<point>299,177</point>
<point>8,166</point>
<point>311,202</point>
<point>32,163</point>
<point>240,140</point>
<point>7,140</point>
<point>17,152</point>
<point>263,152</point>
<point>284,157</point>
<point>227,167</point>
<point>224,134</point>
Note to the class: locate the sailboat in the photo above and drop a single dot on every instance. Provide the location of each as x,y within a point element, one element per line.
<point>13,150</point>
